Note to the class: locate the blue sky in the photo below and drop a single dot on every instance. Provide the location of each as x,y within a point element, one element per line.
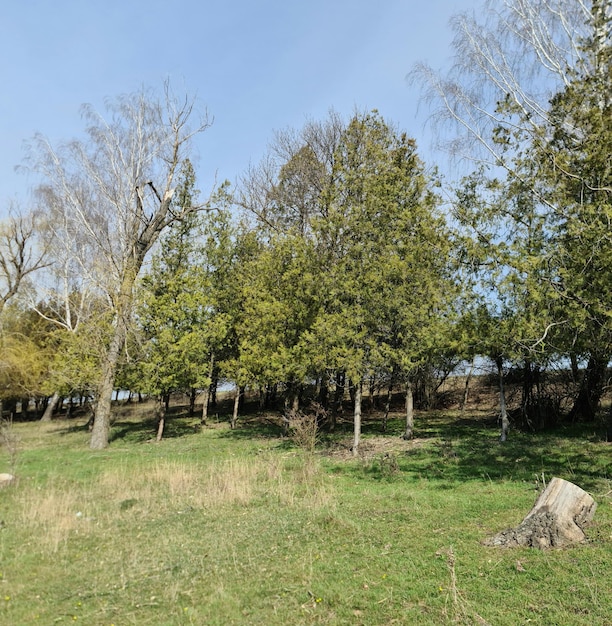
<point>257,66</point>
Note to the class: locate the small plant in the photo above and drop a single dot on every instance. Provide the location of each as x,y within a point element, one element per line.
<point>305,430</point>
<point>461,613</point>
<point>447,451</point>
<point>387,465</point>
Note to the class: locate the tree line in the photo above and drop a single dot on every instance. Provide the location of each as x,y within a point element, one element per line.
<point>341,260</point>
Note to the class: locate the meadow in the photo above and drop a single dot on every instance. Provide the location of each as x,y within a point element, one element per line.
<point>245,526</point>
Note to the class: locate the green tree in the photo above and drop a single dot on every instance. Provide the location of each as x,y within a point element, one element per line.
<point>576,158</point>
<point>25,354</point>
<point>385,254</point>
<point>285,194</point>
<point>543,125</point>
<point>181,321</point>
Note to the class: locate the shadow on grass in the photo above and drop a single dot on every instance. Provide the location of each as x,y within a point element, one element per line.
<point>449,446</point>
<point>457,450</point>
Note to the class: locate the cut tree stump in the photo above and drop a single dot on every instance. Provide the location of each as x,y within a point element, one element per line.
<point>557,519</point>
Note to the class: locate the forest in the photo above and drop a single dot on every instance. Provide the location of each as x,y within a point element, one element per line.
<point>340,266</point>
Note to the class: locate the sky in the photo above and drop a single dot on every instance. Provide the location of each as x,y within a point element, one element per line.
<point>256,66</point>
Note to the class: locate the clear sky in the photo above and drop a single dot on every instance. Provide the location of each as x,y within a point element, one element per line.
<point>257,65</point>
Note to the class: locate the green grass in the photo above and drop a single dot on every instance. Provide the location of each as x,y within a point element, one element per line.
<point>240,527</point>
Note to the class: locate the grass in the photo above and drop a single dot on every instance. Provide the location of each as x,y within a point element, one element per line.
<point>244,527</point>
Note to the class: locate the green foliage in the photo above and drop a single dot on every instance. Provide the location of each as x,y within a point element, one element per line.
<point>24,353</point>
<point>388,285</point>
<point>180,319</point>
<point>540,221</point>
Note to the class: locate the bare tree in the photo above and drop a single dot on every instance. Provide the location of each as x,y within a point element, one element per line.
<point>109,197</point>
<point>285,191</point>
<point>20,252</point>
<point>522,50</point>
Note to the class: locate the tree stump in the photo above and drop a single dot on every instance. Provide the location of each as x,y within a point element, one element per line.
<point>557,519</point>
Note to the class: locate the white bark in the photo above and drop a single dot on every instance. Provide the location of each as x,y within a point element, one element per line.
<point>357,419</point>
<point>503,410</point>
<point>524,50</point>
<point>111,196</point>
<point>409,431</point>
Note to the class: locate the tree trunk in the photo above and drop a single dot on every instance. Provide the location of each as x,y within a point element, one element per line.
<point>234,421</point>
<point>101,426</point>
<point>213,390</point>
<point>292,398</point>
<point>466,390</point>
<point>323,391</point>
<point>409,432</point>
<point>372,393</point>
<point>337,401</point>
<point>48,414</point>
<point>557,519</point>
<point>205,399</point>
<point>357,419</point>
<point>387,405</point>
<point>160,415</point>
<point>192,400</point>
<point>505,422</point>
<point>351,390</point>
<point>591,390</point>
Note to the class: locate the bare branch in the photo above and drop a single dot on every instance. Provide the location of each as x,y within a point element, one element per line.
<point>22,252</point>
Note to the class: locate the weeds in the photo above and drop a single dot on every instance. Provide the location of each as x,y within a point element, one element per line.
<point>305,429</point>
<point>386,465</point>
<point>461,614</point>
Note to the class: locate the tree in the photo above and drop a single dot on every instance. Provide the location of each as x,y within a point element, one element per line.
<point>385,254</point>
<point>288,189</point>
<point>531,85</point>
<point>113,191</point>
<point>182,326</point>
<point>577,181</point>
<point>25,354</point>
<point>279,303</point>
<point>20,256</point>
<point>284,195</point>
<point>514,313</point>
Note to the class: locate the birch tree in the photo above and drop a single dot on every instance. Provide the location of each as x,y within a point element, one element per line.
<point>113,191</point>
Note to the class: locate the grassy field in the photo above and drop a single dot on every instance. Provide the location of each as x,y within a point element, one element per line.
<point>244,527</point>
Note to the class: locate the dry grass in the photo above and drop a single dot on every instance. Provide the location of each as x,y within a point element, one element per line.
<point>51,515</point>
<point>54,513</point>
